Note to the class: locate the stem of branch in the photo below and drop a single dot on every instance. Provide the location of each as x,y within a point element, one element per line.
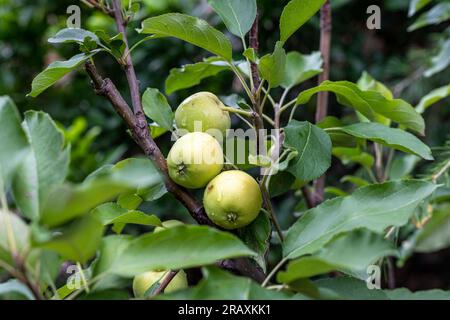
<point>169,277</point>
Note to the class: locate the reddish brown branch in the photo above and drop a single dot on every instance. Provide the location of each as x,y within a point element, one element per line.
<point>322,97</point>
<point>167,279</point>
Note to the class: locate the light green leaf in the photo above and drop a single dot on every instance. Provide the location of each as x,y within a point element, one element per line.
<point>353,155</point>
<point>12,224</point>
<point>374,207</point>
<point>439,13</point>
<point>77,35</point>
<point>314,150</point>
<point>191,74</point>
<point>391,137</point>
<point>44,167</point>
<point>440,61</point>
<point>189,246</point>
<point>369,103</point>
<point>301,67</point>
<point>78,241</point>
<point>272,66</point>
<point>157,108</point>
<point>55,71</point>
<point>431,98</point>
<point>190,29</point>
<point>416,5</point>
<point>15,287</point>
<point>295,14</point>
<point>350,253</point>
<point>435,235</point>
<point>221,285</point>
<point>238,15</point>
<point>13,141</point>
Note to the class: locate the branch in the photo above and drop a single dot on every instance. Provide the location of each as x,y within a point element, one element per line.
<point>322,97</point>
<point>169,277</point>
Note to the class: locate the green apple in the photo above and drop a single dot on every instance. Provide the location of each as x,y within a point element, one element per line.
<point>168,224</point>
<point>232,199</point>
<point>194,160</point>
<point>144,281</point>
<point>202,112</point>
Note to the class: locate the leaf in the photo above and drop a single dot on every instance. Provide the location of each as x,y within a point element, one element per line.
<point>190,29</point>
<point>391,137</point>
<point>301,67</point>
<point>314,150</point>
<point>19,230</point>
<point>69,35</point>
<point>405,294</point>
<point>440,61</point>
<point>251,55</point>
<point>353,155</point>
<point>374,207</point>
<point>70,201</point>
<point>351,253</point>
<point>435,235</point>
<point>295,14</point>
<point>15,287</point>
<point>189,246</point>
<point>369,103</point>
<point>367,82</point>
<point>55,71</point>
<point>433,97</point>
<point>78,241</point>
<point>44,167</point>
<point>191,74</point>
<point>111,213</point>
<point>238,15</point>
<point>272,66</point>
<point>437,14</point>
<point>357,181</point>
<point>157,108</point>
<point>13,141</point>
<point>221,285</point>
<point>416,5</point>
<point>256,236</point>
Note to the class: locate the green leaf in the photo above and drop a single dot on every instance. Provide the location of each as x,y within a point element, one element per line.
<point>295,14</point>
<point>13,141</point>
<point>353,155</point>
<point>405,294</point>
<point>251,55</point>
<point>431,98</point>
<point>351,253</point>
<point>369,103</point>
<point>439,13</point>
<point>157,108</point>
<point>272,66</point>
<point>238,15</point>
<point>440,61</point>
<point>189,246</point>
<point>77,35</point>
<point>14,287</point>
<point>374,207</point>
<point>78,241</point>
<point>70,201</point>
<point>55,71</point>
<point>391,137</point>
<point>12,224</point>
<point>44,167</point>
<point>221,285</point>
<point>416,5</point>
<point>301,67</point>
<point>435,235</point>
<point>357,181</point>
<point>314,150</point>
<point>367,82</point>
<point>130,200</point>
<point>190,29</point>
<point>256,236</point>
<point>191,74</point>
<point>111,213</point>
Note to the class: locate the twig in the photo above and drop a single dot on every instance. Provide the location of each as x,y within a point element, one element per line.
<point>322,98</point>
<point>444,169</point>
<point>309,197</point>
<point>169,277</point>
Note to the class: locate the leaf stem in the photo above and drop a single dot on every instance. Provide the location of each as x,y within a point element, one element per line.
<point>274,270</point>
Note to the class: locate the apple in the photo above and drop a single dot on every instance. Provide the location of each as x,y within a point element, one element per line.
<point>194,160</point>
<point>144,281</point>
<point>203,112</point>
<point>232,199</point>
<point>168,224</point>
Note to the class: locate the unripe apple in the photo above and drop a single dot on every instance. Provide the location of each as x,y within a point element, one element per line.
<point>167,225</point>
<point>232,199</point>
<point>202,112</point>
<point>194,160</point>
<point>144,281</point>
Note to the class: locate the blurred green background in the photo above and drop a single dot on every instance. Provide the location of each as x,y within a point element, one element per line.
<point>392,55</point>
